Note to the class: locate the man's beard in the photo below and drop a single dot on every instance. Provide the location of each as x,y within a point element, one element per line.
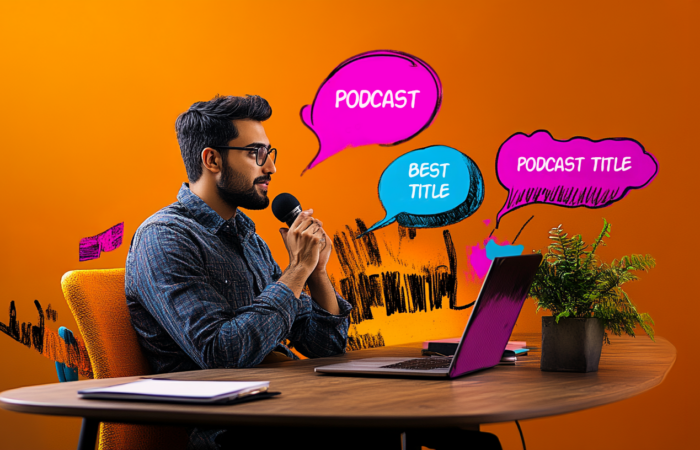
<point>233,191</point>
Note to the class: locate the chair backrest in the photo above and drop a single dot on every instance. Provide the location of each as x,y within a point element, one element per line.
<point>98,302</point>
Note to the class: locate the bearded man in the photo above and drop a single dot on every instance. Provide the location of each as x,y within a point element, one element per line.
<point>202,287</point>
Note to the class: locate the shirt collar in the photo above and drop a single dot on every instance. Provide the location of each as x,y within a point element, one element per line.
<point>210,219</point>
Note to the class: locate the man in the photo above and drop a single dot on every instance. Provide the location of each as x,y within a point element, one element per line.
<point>202,287</point>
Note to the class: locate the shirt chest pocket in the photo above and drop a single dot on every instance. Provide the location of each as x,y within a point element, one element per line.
<point>231,283</point>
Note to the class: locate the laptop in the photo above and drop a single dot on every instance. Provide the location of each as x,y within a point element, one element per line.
<point>485,337</point>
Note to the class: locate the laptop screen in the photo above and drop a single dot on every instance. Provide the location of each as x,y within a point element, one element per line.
<point>495,313</point>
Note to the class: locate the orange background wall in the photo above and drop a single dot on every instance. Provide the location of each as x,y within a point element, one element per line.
<point>90,93</point>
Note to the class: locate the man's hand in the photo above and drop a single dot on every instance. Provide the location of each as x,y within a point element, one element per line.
<point>304,242</point>
<point>309,248</point>
<point>324,253</point>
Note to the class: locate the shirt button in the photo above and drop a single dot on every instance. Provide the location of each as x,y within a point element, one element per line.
<point>226,281</point>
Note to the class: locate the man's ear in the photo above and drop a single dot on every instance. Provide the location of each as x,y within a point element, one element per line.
<point>211,160</point>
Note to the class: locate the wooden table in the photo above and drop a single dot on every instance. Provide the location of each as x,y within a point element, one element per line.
<point>628,367</point>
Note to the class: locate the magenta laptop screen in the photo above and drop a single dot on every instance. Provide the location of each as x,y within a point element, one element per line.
<point>495,313</point>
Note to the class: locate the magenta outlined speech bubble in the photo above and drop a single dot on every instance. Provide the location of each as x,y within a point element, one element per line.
<point>577,172</point>
<point>380,97</point>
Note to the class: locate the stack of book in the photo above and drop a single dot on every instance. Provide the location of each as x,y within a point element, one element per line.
<point>448,347</point>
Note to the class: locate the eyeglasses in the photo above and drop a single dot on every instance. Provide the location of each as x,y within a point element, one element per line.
<point>261,152</point>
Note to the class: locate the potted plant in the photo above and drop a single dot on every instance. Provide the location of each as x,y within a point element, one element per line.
<point>586,299</point>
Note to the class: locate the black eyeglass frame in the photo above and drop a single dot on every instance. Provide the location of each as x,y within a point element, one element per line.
<point>257,152</point>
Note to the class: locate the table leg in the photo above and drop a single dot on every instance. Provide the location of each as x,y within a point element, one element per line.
<point>88,434</point>
<point>465,437</point>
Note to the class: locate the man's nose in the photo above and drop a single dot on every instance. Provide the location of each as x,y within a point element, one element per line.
<point>269,166</point>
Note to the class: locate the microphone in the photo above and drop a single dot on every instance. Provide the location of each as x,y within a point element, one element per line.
<point>286,208</point>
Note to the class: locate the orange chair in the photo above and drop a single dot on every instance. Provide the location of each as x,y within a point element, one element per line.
<point>98,302</point>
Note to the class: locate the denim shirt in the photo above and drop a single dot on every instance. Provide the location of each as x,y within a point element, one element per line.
<point>203,293</point>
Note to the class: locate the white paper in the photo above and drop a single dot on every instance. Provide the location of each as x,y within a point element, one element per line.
<point>175,388</point>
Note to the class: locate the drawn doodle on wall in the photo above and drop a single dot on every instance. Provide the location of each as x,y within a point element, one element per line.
<point>430,187</point>
<point>481,255</point>
<point>381,97</point>
<point>91,247</point>
<point>47,342</point>
<point>577,172</point>
<point>372,289</point>
<point>397,291</point>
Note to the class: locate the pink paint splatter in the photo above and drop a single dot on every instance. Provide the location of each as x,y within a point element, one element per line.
<point>487,222</point>
<point>91,247</point>
<point>478,260</point>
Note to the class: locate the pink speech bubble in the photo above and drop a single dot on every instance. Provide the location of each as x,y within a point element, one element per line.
<point>572,173</point>
<point>381,97</point>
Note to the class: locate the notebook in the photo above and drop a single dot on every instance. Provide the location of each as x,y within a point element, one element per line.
<point>448,347</point>
<point>163,390</point>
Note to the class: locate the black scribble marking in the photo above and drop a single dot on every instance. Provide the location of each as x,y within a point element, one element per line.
<point>47,342</point>
<point>591,195</point>
<point>370,242</point>
<point>468,305</point>
<point>396,291</point>
<point>51,313</point>
<point>403,231</point>
<point>394,295</point>
<point>448,281</point>
<point>358,341</point>
<point>394,257</point>
<point>26,333</point>
<point>12,327</point>
<point>521,229</point>
<point>368,288</point>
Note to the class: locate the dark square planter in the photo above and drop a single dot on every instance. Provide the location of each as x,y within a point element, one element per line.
<point>572,345</point>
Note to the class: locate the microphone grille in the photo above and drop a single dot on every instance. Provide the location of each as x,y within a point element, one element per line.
<point>283,204</point>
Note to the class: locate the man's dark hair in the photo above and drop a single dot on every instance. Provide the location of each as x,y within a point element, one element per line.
<point>208,124</point>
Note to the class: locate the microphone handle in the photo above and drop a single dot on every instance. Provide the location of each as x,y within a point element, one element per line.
<point>292,216</point>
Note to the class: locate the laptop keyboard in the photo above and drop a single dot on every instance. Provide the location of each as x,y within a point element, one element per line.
<point>421,364</point>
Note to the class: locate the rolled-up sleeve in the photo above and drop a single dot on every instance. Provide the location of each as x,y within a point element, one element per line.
<point>317,333</point>
<point>174,288</point>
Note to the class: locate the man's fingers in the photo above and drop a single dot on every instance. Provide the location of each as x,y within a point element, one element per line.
<point>304,225</point>
<point>312,228</point>
<point>301,218</point>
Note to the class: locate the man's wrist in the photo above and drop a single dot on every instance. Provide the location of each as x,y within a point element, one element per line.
<point>318,275</point>
<point>298,270</point>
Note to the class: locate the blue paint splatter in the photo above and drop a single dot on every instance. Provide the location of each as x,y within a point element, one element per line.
<point>494,250</point>
<point>64,372</point>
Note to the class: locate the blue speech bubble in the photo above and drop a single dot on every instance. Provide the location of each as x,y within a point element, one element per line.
<point>430,187</point>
